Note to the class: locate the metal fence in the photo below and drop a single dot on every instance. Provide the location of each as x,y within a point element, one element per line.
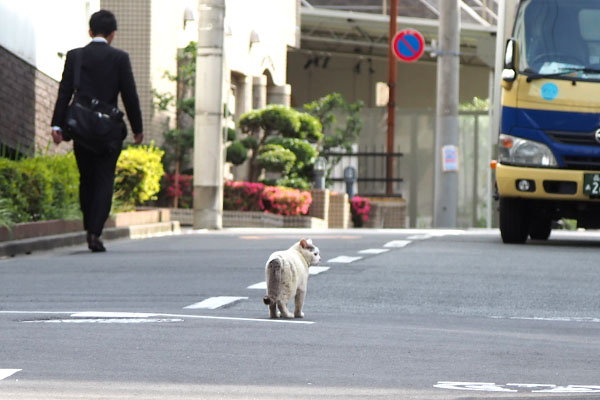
<point>413,177</point>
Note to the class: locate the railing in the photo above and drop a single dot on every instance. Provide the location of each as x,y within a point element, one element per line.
<point>371,169</point>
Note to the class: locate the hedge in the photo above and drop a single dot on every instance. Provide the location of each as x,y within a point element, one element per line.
<point>47,187</point>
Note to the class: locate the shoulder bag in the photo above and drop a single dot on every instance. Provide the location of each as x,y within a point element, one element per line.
<point>92,123</point>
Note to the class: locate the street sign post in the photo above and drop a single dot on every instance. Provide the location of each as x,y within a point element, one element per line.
<point>408,45</point>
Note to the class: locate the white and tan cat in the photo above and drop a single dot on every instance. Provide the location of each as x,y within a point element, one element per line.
<point>287,277</point>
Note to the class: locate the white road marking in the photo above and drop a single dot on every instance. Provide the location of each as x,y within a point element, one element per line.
<point>473,386</point>
<point>397,243</point>
<point>552,319</point>
<point>419,237</point>
<point>187,316</point>
<point>344,259</point>
<point>516,387</point>
<point>315,271</point>
<point>259,285</point>
<point>104,314</point>
<point>213,303</point>
<point>5,373</point>
<point>373,251</point>
<point>105,320</point>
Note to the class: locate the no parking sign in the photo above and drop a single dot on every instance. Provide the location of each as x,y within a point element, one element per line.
<point>408,45</point>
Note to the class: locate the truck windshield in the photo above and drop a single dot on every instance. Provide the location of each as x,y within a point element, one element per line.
<point>559,38</point>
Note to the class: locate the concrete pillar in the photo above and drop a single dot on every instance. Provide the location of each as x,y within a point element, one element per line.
<point>208,124</point>
<point>259,92</point>
<point>243,97</point>
<point>446,138</point>
<point>280,95</point>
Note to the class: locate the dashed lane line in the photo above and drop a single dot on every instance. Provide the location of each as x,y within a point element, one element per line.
<point>213,303</point>
<point>259,285</point>
<point>5,373</point>
<point>312,271</point>
<point>373,251</point>
<point>343,259</point>
<point>397,243</point>
<point>317,270</point>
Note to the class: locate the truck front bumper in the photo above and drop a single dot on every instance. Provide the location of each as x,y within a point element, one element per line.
<point>543,183</point>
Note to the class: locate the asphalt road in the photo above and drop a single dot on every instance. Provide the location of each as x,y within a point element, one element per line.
<point>420,315</point>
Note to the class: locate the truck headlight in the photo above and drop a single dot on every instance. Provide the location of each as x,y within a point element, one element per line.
<point>516,151</point>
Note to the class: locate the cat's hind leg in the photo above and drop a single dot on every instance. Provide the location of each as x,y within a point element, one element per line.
<point>273,313</point>
<point>299,302</point>
<point>285,313</point>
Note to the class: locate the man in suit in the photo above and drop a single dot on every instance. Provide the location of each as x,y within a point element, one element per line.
<point>105,72</point>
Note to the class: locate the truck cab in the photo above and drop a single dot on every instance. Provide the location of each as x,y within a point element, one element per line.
<point>548,164</point>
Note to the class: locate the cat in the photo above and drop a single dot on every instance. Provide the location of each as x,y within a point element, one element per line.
<point>287,276</point>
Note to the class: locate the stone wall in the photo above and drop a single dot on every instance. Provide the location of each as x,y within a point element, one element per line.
<point>27,98</point>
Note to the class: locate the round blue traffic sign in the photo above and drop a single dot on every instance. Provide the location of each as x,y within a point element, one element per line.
<point>408,45</point>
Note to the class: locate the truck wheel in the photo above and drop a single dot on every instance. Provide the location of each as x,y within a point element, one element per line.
<point>540,228</point>
<point>514,220</point>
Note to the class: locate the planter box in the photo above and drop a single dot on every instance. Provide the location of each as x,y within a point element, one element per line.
<point>253,219</point>
<point>387,213</point>
<point>27,230</point>
<point>139,217</point>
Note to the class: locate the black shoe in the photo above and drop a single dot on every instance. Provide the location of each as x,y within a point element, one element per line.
<point>95,244</point>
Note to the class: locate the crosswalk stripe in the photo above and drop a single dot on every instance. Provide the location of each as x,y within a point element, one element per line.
<point>5,373</point>
<point>213,303</point>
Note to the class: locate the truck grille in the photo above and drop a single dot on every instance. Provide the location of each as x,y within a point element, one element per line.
<point>580,138</point>
<point>583,163</point>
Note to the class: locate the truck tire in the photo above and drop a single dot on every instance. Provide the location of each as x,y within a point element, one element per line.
<point>514,220</point>
<point>540,228</point>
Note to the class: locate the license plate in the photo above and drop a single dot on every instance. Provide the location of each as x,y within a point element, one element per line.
<point>591,184</point>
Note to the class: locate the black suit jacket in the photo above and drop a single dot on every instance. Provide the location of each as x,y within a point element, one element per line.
<point>105,72</point>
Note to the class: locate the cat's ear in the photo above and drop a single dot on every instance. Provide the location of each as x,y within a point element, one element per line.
<point>304,243</point>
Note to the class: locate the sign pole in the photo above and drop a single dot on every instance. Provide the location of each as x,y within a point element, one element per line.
<point>391,108</point>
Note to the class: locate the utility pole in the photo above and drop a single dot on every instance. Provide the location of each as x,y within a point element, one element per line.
<point>446,137</point>
<point>391,108</point>
<point>208,124</point>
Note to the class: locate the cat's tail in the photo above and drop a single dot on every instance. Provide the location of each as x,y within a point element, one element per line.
<point>273,280</point>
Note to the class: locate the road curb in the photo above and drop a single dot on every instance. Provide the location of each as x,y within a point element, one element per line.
<point>45,243</point>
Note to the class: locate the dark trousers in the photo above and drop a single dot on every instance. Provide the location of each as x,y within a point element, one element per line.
<point>96,186</point>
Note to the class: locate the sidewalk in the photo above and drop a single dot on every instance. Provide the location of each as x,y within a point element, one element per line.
<point>12,248</point>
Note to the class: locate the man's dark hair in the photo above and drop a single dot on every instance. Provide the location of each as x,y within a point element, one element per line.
<point>103,23</point>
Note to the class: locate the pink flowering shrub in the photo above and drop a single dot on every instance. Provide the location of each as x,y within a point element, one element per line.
<point>360,208</point>
<point>183,189</point>
<point>286,201</point>
<point>243,196</point>
<point>250,196</point>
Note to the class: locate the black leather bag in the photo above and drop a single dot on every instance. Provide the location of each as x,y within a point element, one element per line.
<point>91,123</point>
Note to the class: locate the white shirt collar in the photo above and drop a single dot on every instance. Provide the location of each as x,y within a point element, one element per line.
<point>100,39</point>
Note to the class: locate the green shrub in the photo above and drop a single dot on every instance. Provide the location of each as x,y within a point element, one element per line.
<point>310,127</point>
<point>138,175</point>
<point>40,188</point>
<point>6,215</point>
<point>274,157</point>
<point>237,153</point>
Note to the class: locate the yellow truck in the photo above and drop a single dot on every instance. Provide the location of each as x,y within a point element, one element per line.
<point>548,164</point>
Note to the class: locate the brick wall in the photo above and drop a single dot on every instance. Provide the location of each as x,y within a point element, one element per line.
<point>27,98</point>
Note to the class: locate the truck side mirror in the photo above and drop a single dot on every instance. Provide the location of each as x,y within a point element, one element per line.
<point>509,72</point>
